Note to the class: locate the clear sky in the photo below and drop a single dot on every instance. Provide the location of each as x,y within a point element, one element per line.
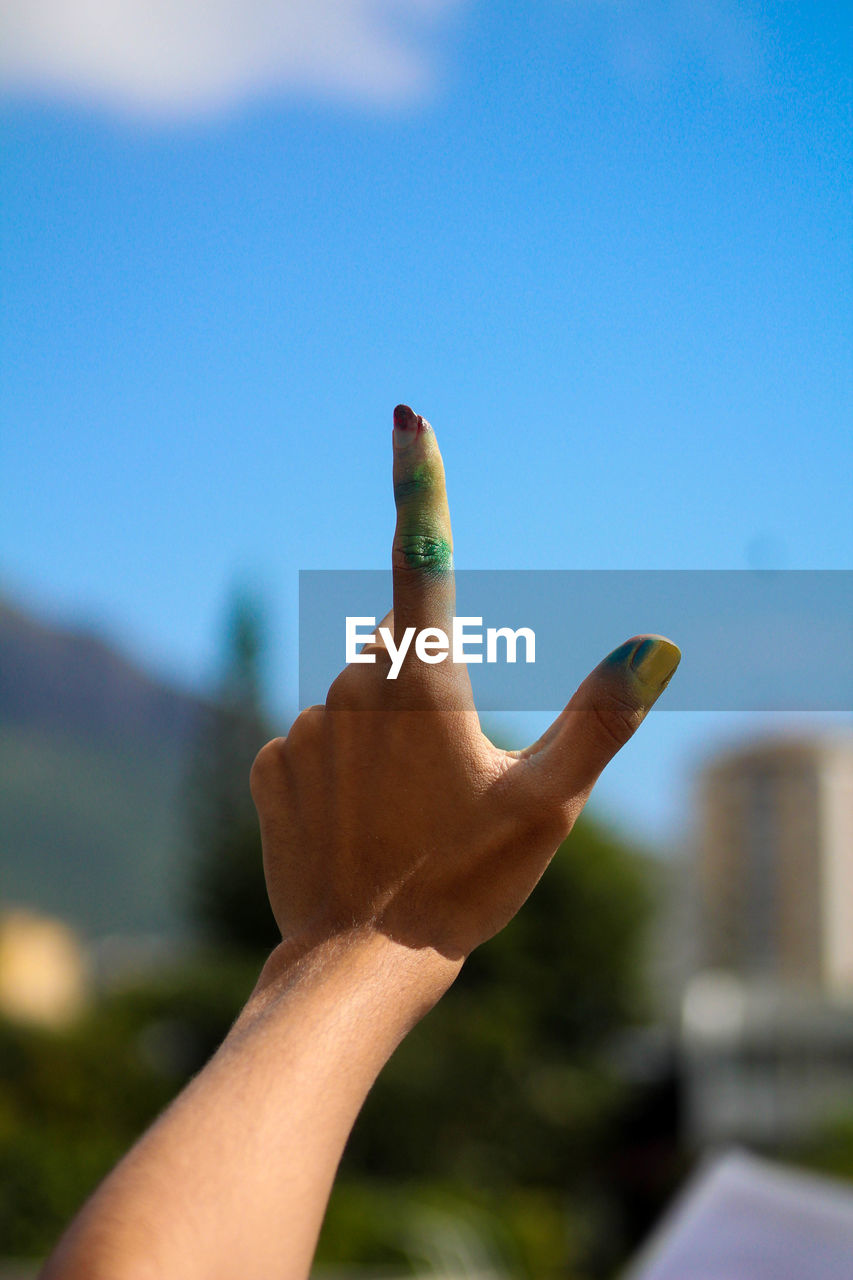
<point>604,247</point>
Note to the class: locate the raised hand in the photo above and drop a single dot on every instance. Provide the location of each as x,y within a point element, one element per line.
<point>396,839</point>
<point>388,809</point>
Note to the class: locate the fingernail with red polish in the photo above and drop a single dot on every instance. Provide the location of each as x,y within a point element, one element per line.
<point>406,423</point>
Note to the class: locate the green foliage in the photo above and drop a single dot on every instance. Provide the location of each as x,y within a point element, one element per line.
<point>70,1104</point>
<point>486,1133</point>
<point>485,1141</point>
<point>439,1227</point>
<point>73,1101</point>
<point>503,1082</point>
<point>503,1094</point>
<point>228,899</point>
<point>830,1149</point>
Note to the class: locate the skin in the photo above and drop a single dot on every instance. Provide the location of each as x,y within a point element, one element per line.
<point>396,839</point>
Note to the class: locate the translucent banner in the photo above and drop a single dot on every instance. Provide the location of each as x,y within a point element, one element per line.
<point>752,640</point>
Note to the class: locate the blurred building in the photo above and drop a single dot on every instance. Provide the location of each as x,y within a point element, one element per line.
<point>767,1017</point>
<point>775,845</point>
<point>43,969</point>
<point>761,1065</point>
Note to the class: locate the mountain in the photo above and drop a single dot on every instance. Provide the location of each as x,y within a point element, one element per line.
<point>93,753</point>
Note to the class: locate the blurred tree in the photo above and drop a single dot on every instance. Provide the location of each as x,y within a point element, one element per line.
<point>509,1082</point>
<point>829,1148</point>
<point>228,898</point>
<point>507,1078</point>
<point>72,1100</point>
<point>491,1127</point>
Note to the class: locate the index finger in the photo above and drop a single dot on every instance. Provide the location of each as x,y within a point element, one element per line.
<point>422,554</point>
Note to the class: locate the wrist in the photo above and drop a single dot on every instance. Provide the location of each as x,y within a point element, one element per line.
<point>404,982</point>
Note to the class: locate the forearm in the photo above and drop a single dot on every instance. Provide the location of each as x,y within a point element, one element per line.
<point>233,1180</point>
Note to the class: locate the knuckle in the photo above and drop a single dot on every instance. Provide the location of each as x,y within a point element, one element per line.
<point>304,728</point>
<point>615,717</point>
<point>271,763</point>
<point>420,482</point>
<point>422,551</point>
<point>265,766</point>
<point>341,693</point>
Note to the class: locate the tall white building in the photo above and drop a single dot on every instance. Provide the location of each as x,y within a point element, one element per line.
<point>767,1021</point>
<point>775,864</point>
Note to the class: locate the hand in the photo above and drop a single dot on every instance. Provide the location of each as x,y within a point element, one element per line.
<point>388,810</point>
<point>396,838</point>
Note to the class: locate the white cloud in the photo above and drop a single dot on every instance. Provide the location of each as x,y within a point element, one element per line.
<point>190,57</point>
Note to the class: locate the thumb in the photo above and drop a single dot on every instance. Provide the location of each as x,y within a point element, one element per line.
<point>601,717</point>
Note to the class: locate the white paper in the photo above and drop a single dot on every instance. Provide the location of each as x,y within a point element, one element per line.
<point>743,1218</point>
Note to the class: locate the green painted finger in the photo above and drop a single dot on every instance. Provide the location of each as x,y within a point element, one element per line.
<point>422,554</point>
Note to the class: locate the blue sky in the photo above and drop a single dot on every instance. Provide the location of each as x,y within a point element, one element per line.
<point>604,247</point>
